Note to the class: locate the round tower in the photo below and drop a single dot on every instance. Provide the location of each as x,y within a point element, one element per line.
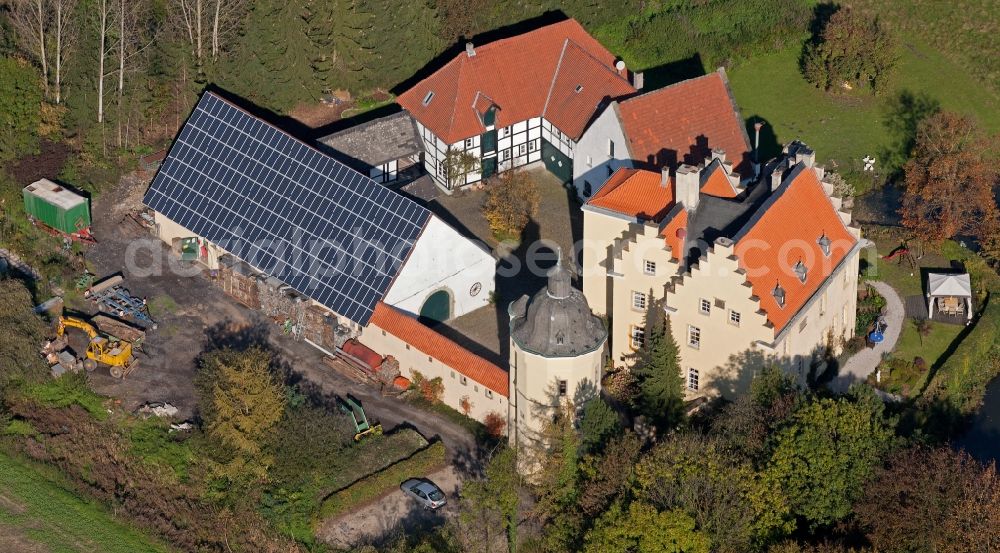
<point>557,350</point>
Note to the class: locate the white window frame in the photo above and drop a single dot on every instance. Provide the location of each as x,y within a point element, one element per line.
<point>705,306</point>
<point>637,337</point>
<point>693,379</point>
<point>734,317</point>
<point>694,337</point>
<point>532,145</point>
<point>468,143</point>
<point>638,300</point>
<point>649,267</point>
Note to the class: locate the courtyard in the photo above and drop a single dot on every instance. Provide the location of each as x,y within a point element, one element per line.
<point>521,266</point>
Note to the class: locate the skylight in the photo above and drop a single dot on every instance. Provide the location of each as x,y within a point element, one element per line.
<point>428,98</point>
<point>579,88</point>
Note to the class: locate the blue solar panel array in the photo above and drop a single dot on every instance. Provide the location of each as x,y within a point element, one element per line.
<point>286,209</point>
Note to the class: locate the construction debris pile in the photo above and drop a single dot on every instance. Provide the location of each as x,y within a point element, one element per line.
<point>293,312</point>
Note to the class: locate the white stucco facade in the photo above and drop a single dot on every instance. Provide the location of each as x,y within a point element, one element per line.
<point>594,161</point>
<point>443,259</point>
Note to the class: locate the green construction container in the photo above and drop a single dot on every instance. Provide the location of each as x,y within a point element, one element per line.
<point>56,206</point>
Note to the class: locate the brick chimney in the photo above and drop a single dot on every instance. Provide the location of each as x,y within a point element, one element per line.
<point>687,187</point>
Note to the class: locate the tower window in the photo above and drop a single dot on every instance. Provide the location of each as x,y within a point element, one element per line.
<point>649,267</point>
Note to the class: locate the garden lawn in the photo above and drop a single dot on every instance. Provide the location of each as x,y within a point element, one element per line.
<point>845,128</point>
<point>930,347</point>
<point>36,514</point>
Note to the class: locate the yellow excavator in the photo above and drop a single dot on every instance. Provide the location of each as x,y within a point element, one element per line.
<point>116,354</point>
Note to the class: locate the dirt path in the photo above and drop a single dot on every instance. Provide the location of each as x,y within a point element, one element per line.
<point>393,511</point>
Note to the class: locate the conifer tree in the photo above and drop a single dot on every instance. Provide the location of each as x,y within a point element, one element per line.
<point>657,370</point>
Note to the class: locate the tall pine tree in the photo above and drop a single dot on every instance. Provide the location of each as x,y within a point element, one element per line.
<point>657,370</point>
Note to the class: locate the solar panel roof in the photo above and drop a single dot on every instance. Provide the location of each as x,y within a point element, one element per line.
<point>285,208</point>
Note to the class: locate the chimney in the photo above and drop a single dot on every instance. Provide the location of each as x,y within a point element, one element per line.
<point>687,186</point>
<point>665,176</point>
<point>776,178</point>
<point>756,141</point>
<point>805,155</point>
<point>470,50</point>
<point>637,81</point>
<point>719,154</point>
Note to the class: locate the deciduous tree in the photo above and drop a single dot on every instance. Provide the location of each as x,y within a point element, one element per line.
<point>511,201</point>
<point>853,49</point>
<point>642,529</point>
<point>492,503</point>
<point>826,452</point>
<point>949,180</point>
<point>21,97</point>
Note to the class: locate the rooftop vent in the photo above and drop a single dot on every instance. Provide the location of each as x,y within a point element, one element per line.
<point>779,294</point>
<point>800,270</point>
<point>824,244</point>
<point>428,98</point>
<point>57,189</point>
<point>579,88</point>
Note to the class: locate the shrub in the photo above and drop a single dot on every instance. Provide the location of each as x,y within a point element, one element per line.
<point>68,389</point>
<point>371,487</point>
<point>853,49</point>
<point>511,201</point>
<point>870,308</point>
<point>496,424</point>
<point>430,389</point>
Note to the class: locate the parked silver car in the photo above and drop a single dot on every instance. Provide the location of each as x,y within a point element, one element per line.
<point>425,492</point>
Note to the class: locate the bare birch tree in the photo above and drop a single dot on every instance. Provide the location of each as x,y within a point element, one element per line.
<point>211,21</point>
<point>30,19</point>
<point>105,9</point>
<point>65,32</point>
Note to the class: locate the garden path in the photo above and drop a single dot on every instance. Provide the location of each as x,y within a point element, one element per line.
<point>863,363</point>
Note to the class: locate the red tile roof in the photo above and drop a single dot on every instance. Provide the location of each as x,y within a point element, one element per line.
<point>522,75</point>
<point>425,339</point>
<point>787,230</point>
<point>683,122</point>
<point>674,233</point>
<point>637,193</point>
<point>715,182</point>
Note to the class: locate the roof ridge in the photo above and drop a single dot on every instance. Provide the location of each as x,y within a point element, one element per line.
<point>555,75</point>
<point>672,85</point>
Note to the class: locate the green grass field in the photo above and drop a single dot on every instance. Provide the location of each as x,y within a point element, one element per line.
<point>36,514</point>
<point>845,128</point>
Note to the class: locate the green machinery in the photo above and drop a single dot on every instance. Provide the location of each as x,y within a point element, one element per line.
<point>362,427</point>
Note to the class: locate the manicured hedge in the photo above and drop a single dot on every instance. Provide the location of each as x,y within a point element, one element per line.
<point>420,463</point>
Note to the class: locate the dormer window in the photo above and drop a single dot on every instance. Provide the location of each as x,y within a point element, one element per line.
<point>824,244</point>
<point>428,98</point>
<point>800,270</point>
<point>779,294</point>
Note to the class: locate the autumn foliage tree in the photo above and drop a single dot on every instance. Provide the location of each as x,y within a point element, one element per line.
<point>932,499</point>
<point>949,181</point>
<point>853,49</point>
<point>244,402</point>
<point>511,201</point>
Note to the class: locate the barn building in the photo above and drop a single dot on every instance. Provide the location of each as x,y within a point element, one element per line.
<point>308,240</point>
